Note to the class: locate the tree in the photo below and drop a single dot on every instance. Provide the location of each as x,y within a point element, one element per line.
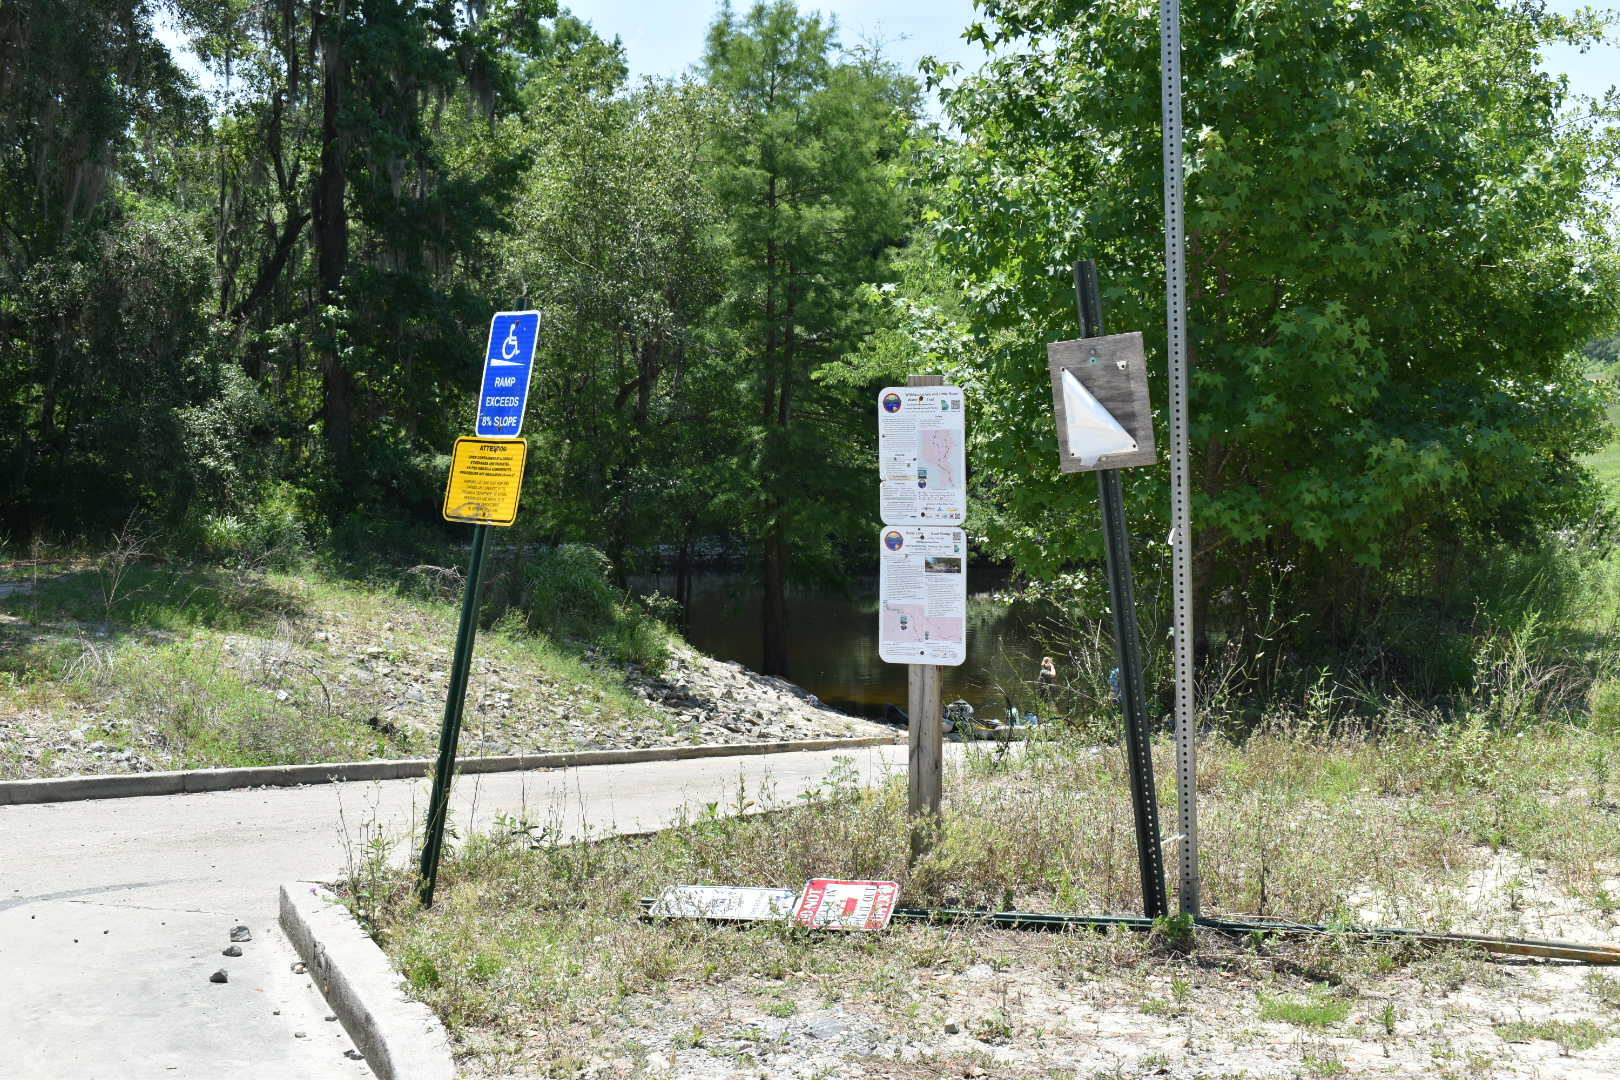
<point>76,79</point>
<point>1605,352</point>
<point>388,71</point>
<point>617,241</point>
<point>98,287</point>
<point>1395,252</point>
<point>807,172</point>
<point>363,164</point>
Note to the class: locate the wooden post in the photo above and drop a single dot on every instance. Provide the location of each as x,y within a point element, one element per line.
<point>925,734</point>
<point>927,750</point>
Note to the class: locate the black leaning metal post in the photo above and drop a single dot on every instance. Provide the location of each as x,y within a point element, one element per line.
<point>1127,637</point>
<point>450,732</point>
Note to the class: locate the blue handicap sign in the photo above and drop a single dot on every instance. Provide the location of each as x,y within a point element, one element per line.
<point>507,363</point>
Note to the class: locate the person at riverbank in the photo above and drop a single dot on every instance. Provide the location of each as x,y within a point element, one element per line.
<point>1046,683</point>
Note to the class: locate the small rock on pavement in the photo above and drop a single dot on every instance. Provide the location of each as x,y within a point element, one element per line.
<point>300,1035</point>
<point>952,1028</point>
<point>219,976</point>
<point>354,1055</point>
<point>241,933</point>
<point>234,950</point>
<point>329,1019</point>
<point>298,968</point>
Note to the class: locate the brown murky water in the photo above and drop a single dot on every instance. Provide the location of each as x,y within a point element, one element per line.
<point>832,641</point>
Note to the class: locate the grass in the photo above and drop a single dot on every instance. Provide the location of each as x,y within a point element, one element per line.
<point>1318,1065</point>
<point>1568,1034</point>
<point>1293,825</point>
<point>1606,462</point>
<point>191,665</point>
<point>1605,988</point>
<point>155,598</point>
<point>1318,1010</point>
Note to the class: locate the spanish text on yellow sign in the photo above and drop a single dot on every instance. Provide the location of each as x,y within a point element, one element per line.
<point>486,477</point>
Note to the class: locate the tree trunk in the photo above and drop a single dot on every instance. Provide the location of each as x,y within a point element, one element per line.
<point>331,235</point>
<point>618,519</point>
<point>768,399</point>
<point>20,456</point>
<point>773,564</point>
<point>47,410</point>
<point>683,580</point>
<point>1204,565</point>
<point>773,609</point>
<point>649,361</point>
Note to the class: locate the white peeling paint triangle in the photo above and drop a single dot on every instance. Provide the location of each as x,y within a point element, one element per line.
<point>1092,429</point>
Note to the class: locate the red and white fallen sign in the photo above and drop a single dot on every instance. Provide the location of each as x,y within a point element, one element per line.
<point>829,904</point>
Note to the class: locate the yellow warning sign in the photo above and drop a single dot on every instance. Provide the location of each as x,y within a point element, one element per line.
<point>486,477</point>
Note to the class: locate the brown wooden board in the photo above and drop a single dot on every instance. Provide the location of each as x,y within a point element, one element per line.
<point>1114,369</point>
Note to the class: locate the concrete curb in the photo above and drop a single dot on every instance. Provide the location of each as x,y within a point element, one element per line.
<point>402,1039</point>
<point>71,788</point>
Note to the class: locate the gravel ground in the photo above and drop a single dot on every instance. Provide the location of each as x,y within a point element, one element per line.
<point>982,1003</point>
<point>1176,1018</point>
<point>1008,1005</point>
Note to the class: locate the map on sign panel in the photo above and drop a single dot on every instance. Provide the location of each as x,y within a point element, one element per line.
<point>922,595</point>
<point>921,460</point>
<point>508,362</point>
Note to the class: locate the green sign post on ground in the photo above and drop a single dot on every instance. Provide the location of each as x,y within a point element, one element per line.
<point>1105,423</point>
<point>486,477</point>
<point>450,730</point>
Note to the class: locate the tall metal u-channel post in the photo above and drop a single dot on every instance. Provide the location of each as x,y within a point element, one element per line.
<point>1175,279</point>
<point>450,731</point>
<point>1127,638</point>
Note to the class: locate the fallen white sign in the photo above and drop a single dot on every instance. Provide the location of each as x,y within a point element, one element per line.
<point>725,902</point>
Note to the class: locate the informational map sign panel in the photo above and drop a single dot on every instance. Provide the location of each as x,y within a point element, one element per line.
<point>508,361</point>
<point>724,902</point>
<point>486,478</point>
<point>922,595</point>
<point>826,904</point>
<point>922,463</point>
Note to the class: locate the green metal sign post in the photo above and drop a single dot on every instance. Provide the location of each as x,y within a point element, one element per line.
<point>1127,637</point>
<point>450,732</point>
<point>485,484</point>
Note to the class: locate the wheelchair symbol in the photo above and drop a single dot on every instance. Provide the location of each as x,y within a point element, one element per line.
<point>510,347</point>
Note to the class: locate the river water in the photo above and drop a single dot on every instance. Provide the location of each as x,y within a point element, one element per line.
<point>832,643</point>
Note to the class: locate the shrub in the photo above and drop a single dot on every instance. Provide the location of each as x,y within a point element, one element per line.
<point>228,453</point>
<point>271,533</point>
<point>1604,700</point>
<point>568,595</point>
<point>564,593</point>
<point>640,639</point>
